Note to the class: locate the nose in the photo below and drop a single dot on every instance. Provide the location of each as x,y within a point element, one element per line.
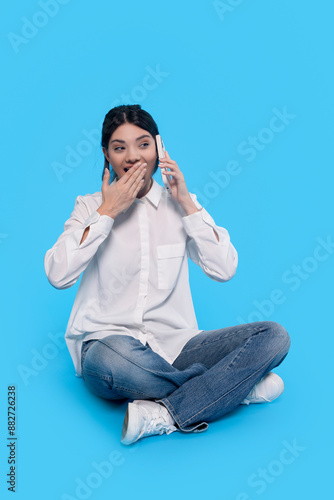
<point>132,156</point>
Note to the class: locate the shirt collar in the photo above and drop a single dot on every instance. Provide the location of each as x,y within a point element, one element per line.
<point>153,195</point>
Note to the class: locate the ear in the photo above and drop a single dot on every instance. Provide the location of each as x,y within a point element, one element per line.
<point>106,154</point>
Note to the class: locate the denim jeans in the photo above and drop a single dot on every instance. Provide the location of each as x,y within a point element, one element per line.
<point>211,376</point>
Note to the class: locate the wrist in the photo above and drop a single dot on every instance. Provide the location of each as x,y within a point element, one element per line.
<point>189,207</point>
<point>103,210</point>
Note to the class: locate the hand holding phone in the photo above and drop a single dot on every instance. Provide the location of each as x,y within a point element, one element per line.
<point>161,152</point>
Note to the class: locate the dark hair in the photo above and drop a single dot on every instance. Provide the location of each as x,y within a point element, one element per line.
<point>130,113</point>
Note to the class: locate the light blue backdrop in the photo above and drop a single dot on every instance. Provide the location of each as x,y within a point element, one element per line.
<point>242,93</point>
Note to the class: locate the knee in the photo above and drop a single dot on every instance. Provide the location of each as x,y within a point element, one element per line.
<point>102,357</point>
<point>279,334</point>
<point>102,365</point>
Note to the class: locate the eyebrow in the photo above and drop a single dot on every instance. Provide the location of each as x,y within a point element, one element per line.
<point>138,139</point>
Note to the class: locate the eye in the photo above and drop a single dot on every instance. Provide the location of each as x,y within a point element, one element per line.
<point>121,147</point>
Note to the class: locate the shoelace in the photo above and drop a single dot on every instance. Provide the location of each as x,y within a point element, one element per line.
<point>158,423</point>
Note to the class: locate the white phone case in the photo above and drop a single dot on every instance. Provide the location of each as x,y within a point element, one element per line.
<point>161,152</point>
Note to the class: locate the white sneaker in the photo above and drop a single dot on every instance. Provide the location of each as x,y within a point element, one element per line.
<point>266,390</point>
<point>146,418</point>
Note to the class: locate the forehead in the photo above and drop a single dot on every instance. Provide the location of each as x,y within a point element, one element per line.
<point>128,132</point>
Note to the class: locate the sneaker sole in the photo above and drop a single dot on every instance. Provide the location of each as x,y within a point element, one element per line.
<point>131,415</point>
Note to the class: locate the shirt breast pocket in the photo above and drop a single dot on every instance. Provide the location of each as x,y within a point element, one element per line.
<point>170,259</point>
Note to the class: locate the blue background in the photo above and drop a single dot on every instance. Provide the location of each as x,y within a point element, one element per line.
<point>223,70</point>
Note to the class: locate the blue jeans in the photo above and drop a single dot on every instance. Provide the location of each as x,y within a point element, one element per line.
<point>211,376</point>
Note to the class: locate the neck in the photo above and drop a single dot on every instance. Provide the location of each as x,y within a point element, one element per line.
<point>139,195</point>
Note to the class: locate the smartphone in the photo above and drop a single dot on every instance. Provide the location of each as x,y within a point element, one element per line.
<point>161,152</point>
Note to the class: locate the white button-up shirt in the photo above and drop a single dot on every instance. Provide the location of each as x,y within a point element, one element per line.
<point>135,270</point>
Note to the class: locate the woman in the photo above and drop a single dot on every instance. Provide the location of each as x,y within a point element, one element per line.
<point>132,332</point>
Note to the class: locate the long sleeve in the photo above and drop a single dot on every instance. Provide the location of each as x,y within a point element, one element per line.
<point>217,259</point>
<point>67,259</point>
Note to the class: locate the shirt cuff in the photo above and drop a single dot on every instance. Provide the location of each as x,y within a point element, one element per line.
<point>100,223</point>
